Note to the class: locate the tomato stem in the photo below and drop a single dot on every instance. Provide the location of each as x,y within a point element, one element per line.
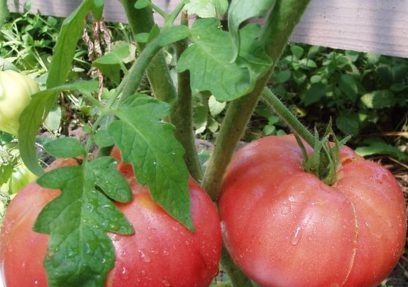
<point>280,25</point>
<point>287,116</point>
<point>182,113</point>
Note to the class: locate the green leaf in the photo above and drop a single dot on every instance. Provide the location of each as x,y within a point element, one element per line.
<point>103,138</point>
<point>297,51</point>
<point>208,59</point>
<point>215,107</point>
<point>110,63</point>
<point>65,147</point>
<point>4,12</point>
<point>242,10</point>
<point>252,53</point>
<point>377,146</point>
<point>150,146</point>
<point>314,94</point>
<point>348,123</point>
<point>71,31</point>
<point>110,180</point>
<point>207,8</point>
<point>170,35</point>
<point>140,4</point>
<point>34,115</point>
<point>79,252</point>
<point>348,84</point>
<point>379,99</point>
<point>53,120</point>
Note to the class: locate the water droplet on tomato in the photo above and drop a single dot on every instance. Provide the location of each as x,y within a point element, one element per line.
<point>124,270</point>
<point>297,235</point>
<point>145,257</point>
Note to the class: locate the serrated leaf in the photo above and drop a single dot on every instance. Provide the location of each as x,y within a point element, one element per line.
<point>110,180</point>
<point>157,157</point>
<point>208,59</point>
<point>65,148</point>
<point>34,115</point>
<point>79,252</point>
<point>252,53</point>
<point>242,10</point>
<point>207,8</point>
<point>71,31</point>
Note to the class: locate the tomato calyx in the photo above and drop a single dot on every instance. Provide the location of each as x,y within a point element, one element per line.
<point>324,161</point>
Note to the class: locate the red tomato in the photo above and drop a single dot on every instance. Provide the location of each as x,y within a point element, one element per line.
<point>286,228</point>
<point>162,252</point>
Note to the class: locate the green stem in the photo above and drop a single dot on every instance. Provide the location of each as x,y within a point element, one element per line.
<point>182,114</point>
<point>284,113</point>
<point>280,25</point>
<point>135,75</point>
<point>237,277</point>
<point>278,29</point>
<point>141,21</point>
<point>176,12</point>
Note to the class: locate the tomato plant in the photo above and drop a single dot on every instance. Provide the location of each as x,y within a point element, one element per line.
<point>15,94</point>
<point>284,227</point>
<point>135,215</point>
<point>162,252</point>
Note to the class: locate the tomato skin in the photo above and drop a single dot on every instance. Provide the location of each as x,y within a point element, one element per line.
<point>15,94</point>
<point>284,227</point>
<point>162,252</point>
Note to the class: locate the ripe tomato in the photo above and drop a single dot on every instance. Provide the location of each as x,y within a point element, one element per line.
<point>15,94</point>
<point>162,252</point>
<point>284,227</point>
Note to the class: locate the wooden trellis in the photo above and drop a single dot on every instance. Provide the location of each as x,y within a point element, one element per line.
<point>377,26</point>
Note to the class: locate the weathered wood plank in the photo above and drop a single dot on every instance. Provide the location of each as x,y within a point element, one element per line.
<point>377,26</point>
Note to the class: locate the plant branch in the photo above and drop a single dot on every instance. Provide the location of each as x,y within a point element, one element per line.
<point>278,28</point>
<point>182,114</point>
<point>290,119</point>
<point>141,21</point>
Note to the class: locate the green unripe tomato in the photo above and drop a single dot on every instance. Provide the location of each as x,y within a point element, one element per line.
<point>15,94</point>
<point>20,178</point>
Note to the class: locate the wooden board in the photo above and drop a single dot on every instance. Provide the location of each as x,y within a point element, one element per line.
<point>377,26</point>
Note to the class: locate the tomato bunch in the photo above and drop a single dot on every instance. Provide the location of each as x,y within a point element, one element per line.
<point>15,94</point>
<point>162,252</point>
<point>285,227</point>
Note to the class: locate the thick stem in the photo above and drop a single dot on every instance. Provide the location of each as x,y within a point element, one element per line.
<point>280,25</point>
<point>141,21</point>
<point>182,115</point>
<point>284,113</point>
